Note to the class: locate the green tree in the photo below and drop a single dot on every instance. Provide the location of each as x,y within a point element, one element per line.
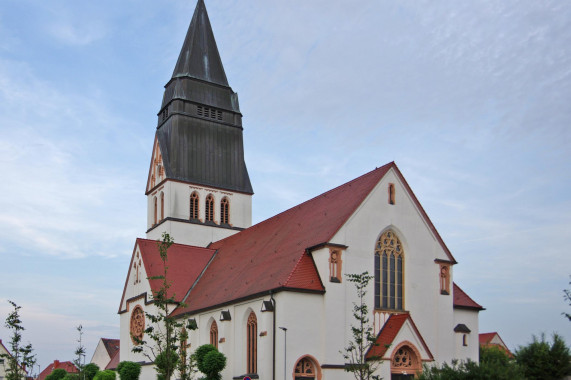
<point>163,330</point>
<point>567,297</point>
<point>90,370</point>
<point>80,353</point>
<point>541,360</point>
<point>363,338</point>
<point>129,370</point>
<point>105,375</point>
<point>21,355</point>
<point>210,361</point>
<point>57,374</point>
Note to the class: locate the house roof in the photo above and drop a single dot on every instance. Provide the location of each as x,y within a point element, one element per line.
<point>68,366</point>
<point>114,362</point>
<point>486,340</point>
<point>8,352</point>
<point>185,263</point>
<point>463,300</point>
<point>272,254</point>
<point>388,334</point>
<point>111,345</point>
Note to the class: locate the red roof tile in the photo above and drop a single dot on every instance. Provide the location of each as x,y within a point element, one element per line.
<point>486,338</point>
<point>68,366</point>
<point>463,301</point>
<point>114,362</point>
<point>185,263</point>
<point>111,345</point>
<point>270,254</point>
<point>388,334</point>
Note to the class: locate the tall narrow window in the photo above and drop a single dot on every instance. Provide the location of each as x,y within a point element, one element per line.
<point>214,334</point>
<point>391,193</point>
<point>225,211</point>
<point>389,272</point>
<point>444,279</point>
<point>252,346</point>
<point>209,209</point>
<point>194,205</point>
<point>155,211</point>
<point>334,265</point>
<point>162,205</point>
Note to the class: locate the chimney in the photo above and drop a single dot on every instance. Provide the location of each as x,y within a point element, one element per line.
<point>56,364</point>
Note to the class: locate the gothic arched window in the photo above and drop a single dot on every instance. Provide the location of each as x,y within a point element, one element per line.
<point>214,334</point>
<point>155,211</point>
<point>389,272</point>
<point>162,205</point>
<point>209,209</point>
<point>225,211</point>
<point>194,205</point>
<point>252,344</point>
<point>305,369</point>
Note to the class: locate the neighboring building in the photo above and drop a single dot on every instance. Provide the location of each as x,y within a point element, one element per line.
<point>105,351</point>
<point>68,366</point>
<point>241,284</point>
<point>493,339</point>
<point>4,361</point>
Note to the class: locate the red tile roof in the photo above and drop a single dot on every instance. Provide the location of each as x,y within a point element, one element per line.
<point>463,300</point>
<point>185,263</point>
<point>111,345</point>
<point>486,338</point>
<point>114,362</point>
<point>272,254</point>
<point>388,334</point>
<point>68,366</point>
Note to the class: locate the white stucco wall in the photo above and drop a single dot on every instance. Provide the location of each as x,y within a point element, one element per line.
<point>100,356</point>
<point>177,205</point>
<point>472,350</point>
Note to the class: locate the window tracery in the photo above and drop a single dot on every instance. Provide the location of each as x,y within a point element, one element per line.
<point>225,211</point>
<point>335,265</point>
<point>444,279</point>
<point>209,209</point>
<point>389,272</point>
<point>137,324</point>
<point>304,369</point>
<point>194,205</point>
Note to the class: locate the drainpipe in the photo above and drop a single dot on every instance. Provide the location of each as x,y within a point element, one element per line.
<point>274,337</point>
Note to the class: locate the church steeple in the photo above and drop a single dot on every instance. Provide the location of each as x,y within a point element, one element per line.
<point>198,187</point>
<point>199,57</point>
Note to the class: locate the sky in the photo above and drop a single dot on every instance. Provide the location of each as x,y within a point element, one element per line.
<point>470,99</point>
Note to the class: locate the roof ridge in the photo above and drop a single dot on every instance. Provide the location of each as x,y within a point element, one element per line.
<point>255,226</point>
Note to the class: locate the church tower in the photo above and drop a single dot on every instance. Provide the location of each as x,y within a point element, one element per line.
<point>198,187</point>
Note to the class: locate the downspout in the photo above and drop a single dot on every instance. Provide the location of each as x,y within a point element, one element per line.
<point>274,337</point>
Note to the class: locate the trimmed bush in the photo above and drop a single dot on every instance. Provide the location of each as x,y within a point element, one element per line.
<point>105,375</point>
<point>57,374</point>
<point>90,370</point>
<point>129,370</point>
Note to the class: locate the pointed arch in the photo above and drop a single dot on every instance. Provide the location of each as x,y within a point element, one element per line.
<point>162,205</point>
<point>194,202</point>
<point>209,208</point>
<point>252,343</point>
<point>406,359</point>
<point>155,211</point>
<point>389,272</point>
<point>214,334</point>
<point>225,211</point>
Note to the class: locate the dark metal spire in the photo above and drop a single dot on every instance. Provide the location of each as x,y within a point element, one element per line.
<point>200,125</point>
<point>199,56</point>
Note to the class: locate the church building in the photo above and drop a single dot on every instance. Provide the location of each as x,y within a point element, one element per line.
<point>274,297</point>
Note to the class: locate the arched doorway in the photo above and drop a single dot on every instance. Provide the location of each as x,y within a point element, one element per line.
<point>405,363</point>
<point>306,368</point>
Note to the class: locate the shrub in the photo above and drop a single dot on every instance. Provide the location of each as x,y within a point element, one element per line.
<point>199,355</point>
<point>90,370</point>
<point>57,374</point>
<point>105,375</point>
<point>71,376</point>
<point>213,363</point>
<point>543,361</point>
<point>129,370</point>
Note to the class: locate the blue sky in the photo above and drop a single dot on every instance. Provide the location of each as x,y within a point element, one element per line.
<point>471,99</point>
